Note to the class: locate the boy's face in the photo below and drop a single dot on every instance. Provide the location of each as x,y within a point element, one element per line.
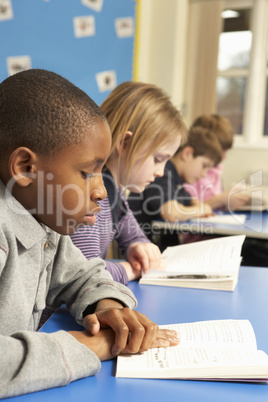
<point>68,185</point>
<point>197,168</point>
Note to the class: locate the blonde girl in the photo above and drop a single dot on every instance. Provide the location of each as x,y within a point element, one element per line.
<point>147,129</point>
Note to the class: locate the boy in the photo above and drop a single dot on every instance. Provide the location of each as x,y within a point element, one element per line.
<point>166,198</point>
<point>54,141</point>
<point>209,188</point>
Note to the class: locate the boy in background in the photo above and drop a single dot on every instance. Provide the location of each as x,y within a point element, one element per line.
<point>54,141</point>
<point>209,189</point>
<point>167,198</point>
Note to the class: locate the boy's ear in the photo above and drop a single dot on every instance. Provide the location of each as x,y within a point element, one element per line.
<point>187,153</point>
<point>124,142</point>
<point>22,166</point>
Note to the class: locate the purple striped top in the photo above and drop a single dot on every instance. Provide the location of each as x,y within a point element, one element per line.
<point>94,241</point>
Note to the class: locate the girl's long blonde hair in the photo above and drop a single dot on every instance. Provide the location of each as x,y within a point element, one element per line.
<point>147,112</point>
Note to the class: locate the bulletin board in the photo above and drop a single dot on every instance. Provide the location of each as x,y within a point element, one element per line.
<point>89,42</point>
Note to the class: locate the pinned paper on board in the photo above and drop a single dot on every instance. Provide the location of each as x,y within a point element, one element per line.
<point>93,4</point>
<point>18,63</point>
<point>6,12</point>
<point>124,27</point>
<point>84,26</point>
<point>106,80</point>
<point>102,31</point>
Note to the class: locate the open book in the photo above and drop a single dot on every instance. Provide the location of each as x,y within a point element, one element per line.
<point>233,219</point>
<point>208,264</point>
<point>208,350</point>
<point>258,200</point>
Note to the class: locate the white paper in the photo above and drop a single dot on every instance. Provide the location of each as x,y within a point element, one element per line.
<point>106,80</point>
<point>205,347</point>
<point>18,63</point>
<point>95,5</point>
<point>124,27</point>
<point>6,12</point>
<point>226,333</point>
<point>178,359</point>
<point>220,256</point>
<point>84,26</point>
<point>223,219</point>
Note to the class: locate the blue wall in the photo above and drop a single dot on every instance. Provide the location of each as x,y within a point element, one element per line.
<point>42,34</point>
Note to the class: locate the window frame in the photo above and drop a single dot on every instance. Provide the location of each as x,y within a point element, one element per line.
<point>256,74</point>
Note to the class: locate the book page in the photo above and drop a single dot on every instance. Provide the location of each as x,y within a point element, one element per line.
<point>216,333</point>
<point>219,256</point>
<point>234,219</point>
<point>181,362</point>
<point>258,199</point>
<point>206,349</point>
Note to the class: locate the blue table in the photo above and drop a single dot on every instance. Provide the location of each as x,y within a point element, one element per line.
<point>255,226</point>
<point>172,305</point>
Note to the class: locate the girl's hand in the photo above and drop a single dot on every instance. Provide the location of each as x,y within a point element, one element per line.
<point>144,256</point>
<point>133,331</point>
<point>132,273</point>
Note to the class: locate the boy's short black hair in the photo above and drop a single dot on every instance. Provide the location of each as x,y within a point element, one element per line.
<point>43,111</point>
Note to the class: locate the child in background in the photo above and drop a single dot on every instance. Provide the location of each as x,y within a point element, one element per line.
<point>167,198</point>
<point>209,189</point>
<point>54,141</point>
<point>146,131</point>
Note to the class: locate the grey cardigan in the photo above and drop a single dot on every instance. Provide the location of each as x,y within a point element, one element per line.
<point>39,267</point>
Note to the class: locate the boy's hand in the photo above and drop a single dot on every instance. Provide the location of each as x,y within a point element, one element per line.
<point>200,209</point>
<point>144,256</point>
<point>237,200</point>
<point>133,331</point>
<point>206,210</point>
<point>102,342</point>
